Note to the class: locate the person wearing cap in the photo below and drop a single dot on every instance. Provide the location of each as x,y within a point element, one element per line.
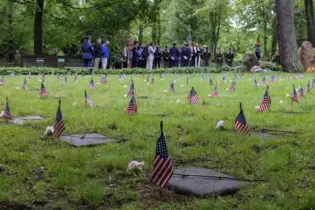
<point>185,54</point>
<point>157,57</point>
<point>230,57</point>
<point>206,56</point>
<point>87,52</point>
<point>174,54</point>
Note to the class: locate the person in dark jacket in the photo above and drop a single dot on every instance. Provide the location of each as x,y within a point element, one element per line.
<point>185,55</point>
<point>135,55</point>
<point>87,53</point>
<point>157,57</point>
<point>174,54</point>
<point>97,53</point>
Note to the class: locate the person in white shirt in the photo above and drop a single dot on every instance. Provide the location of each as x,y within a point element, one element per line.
<point>150,57</point>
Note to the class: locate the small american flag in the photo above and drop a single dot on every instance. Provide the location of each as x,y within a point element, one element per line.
<point>76,77</point>
<point>24,84</point>
<point>210,82</point>
<point>308,87</point>
<point>162,165</point>
<point>132,91</point>
<point>88,100</point>
<point>29,75</point>
<point>215,91</point>
<point>301,92</point>
<point>294,96</point>
<point>2,81</point>
<point>263,81</point>
<point>172,89</point>
<point>273,79</point>
<point>255,83</point>
<point>104,79</point>
<point>59,125</point>
<point>233,86</point>
<point>265,102</point>
<point>193,97</point>
<point>43,91</point>
<point>152,80</point>
<point>43,78</point>
<point>7,113</point>
<point>132,106</point>
<point>91,85</point>
<point>65,81</point>
<point>240,123</point>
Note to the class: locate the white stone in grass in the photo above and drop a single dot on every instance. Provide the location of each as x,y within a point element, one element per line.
<point>227,89</point>
<point>135,164</point>
<point>257,108</point>
<point>2,113</point>
<point>98,83</point>
<point>220,124</point>
<point>209,95</point>
<point>17,121</point>
<point>161,79</point>
<point>165,91</point>
<point>148,83</point>
<point>144,80</point>
<point>174,81</point>
<point>74,103</point>
<point>178,101</point>
<point>297,90</point>
<point>49,131</point>
<point>125,95</point>
<point>287,95</point>
<point>182,85</point>
<point>281,102</point>
<point>18,88</point>
<point>39,80</point>
<point>125,86</point>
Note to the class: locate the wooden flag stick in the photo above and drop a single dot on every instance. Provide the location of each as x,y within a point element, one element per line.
<point>161,126</point>
<point>268,99</point>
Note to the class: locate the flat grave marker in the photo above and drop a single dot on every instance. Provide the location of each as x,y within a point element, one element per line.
<point>79,140</point>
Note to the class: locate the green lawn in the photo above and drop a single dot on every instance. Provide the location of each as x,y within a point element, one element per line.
<point>47,174</point>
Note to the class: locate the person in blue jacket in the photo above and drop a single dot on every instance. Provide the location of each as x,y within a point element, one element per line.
<point>87,52</point>
<point>104,54</point>
<point>185,54</point>
<point>174,55</point>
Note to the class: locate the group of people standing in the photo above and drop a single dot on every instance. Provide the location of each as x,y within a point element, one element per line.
<point>97,54</point>
<point>150,56</point>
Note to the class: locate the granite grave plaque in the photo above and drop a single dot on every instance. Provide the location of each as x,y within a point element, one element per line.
<point>80,140</point>
<point>203,183</point>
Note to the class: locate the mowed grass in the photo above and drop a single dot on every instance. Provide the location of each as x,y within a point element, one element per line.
<point>47,174</point>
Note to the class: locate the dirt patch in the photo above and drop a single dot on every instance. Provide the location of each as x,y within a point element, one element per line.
<point>5,205</point>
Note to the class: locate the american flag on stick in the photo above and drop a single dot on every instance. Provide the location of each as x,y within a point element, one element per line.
<point>265,102</point>
<point>59,125</point>
<point>273,79</point>
<point>7,113</point>
<point>152,80</point>
<point>233,86</point>
<point>24,84</point>
<point>92,85</point>
<point>215,91</point>
<point>29,75</point>
<point>88,100</point>
<point>193,97</point>
<point>2,81</point>
<point>308,87</point>
<point>104,79</point>
<point>172,89</point>
<point>255,83</point>
<point>294,96</point>
<point>132,91</point>
<point>301,92</point>
<point>132,106</point>
<point>241,124</point>
<point>162,165</point>
<point>43,91</point>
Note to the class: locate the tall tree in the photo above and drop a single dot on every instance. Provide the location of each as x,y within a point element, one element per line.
<point>38,27</point>
<point>289,58</point>
<point>309,14</point>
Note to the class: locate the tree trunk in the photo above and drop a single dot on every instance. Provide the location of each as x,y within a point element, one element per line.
<point>38,27</point>
<point>10,31</point>
<point>265,53</point>
<point>274,35</point>
<point>154,32</point>
<point>140,35</point>
<point>159,28</point>
<point>289,58</point>
<point>309,15</point>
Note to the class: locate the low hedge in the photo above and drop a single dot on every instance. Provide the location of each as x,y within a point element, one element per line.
<point>40,70</point>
